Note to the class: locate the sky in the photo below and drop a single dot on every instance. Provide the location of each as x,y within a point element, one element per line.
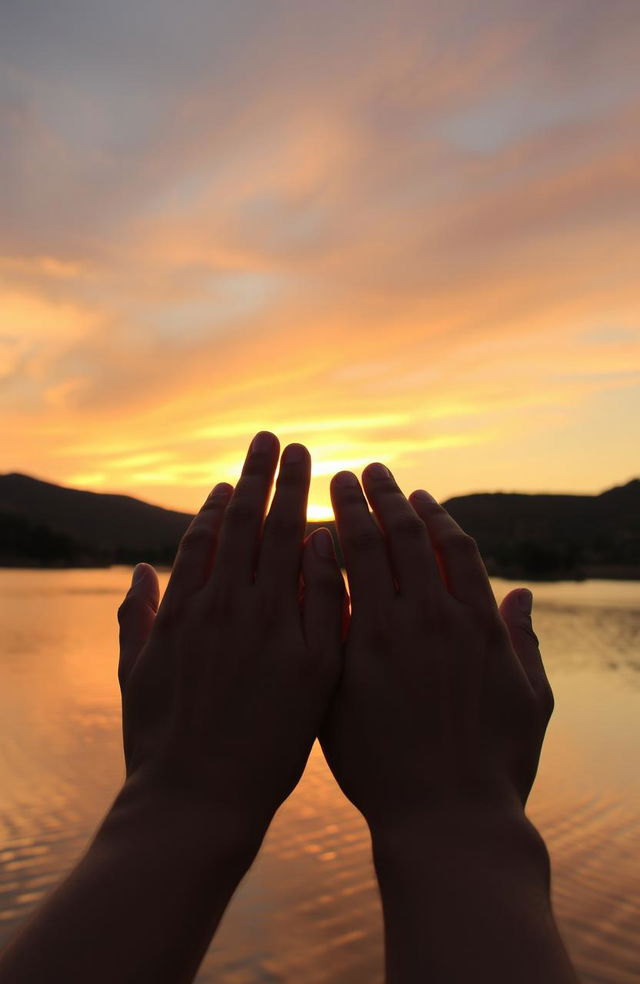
<point>404,232</point>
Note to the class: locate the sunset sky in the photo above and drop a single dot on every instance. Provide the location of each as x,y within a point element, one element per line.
<point>406,232</point>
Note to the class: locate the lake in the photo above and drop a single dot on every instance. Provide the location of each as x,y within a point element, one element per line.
<point>308,910</point>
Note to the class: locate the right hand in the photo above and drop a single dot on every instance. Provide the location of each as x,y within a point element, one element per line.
<point>443,702</point>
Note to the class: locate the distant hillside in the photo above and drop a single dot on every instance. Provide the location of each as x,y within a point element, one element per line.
<point>520,536</point>
<point>557,536</point>
<point>103,528</point>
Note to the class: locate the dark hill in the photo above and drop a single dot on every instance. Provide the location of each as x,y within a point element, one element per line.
<point>109,528</point>
<point>520,536</point>
<point>555,535</point>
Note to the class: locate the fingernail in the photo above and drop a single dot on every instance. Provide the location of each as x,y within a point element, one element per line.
<point>262,442</point>
<point>323,544</point>
<point>293,454</point>
<point>346,479</point>
<point>222,487</point>
<point>378,470</point>
<point>422,498</point>
<point>525,600</point>
<point>139,574</point>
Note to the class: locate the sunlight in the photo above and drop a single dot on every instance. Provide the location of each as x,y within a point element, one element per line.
<point>318,514</point>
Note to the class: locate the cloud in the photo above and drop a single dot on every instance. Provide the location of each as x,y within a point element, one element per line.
<point>225,216</point>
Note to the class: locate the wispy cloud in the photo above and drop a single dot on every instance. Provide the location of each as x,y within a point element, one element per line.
<point>403,232</point>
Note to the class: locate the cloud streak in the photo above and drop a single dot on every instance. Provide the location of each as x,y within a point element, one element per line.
<point>406,234</point>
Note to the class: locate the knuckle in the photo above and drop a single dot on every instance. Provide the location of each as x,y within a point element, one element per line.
<point>240,513</point>
<point>363,541</point>
<point>216,503</point>
<point>385,486</point>
<point>285,525</point>
<point>409,527</point>
<point>195,537</point>
<point>462,542</point>
<point>468,542</point>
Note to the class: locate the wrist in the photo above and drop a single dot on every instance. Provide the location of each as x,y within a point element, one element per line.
<point>487,839</point>
<point>159,823</point>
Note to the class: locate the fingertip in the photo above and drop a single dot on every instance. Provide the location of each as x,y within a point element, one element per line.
<point>343,482</point>
<point>222,488</point>
<point>143,573</point>
<point>512,605</point>
<point>323,545</point>
<point>295,454</point>
<point>265,442</point>
<point>525,601</point>
<point>376,471</point>
<point>421,499</point>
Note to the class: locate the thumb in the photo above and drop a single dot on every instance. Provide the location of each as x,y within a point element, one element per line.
<point>515,610</point>
<point>136,616</point>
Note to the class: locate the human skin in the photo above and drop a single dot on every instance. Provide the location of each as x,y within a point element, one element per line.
<point>223,691</point>
<point>435,735</point>
<point>434,730</point>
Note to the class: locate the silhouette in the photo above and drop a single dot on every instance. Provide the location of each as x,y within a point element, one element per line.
<point>430,701</point>
<point>521,537</point>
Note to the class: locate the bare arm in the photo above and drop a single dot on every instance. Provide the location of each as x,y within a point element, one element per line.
<point>141,905</point>
<point>435,735</point>
<point>224,688</point>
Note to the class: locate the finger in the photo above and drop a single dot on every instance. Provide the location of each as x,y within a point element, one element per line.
<point>465,575</point>
<point>410,548</point>
<point>283,534</point>
<point>324,594</point>
<point>240,534</point>
<point>196,552</point>
<point>515,610</point>
<point>365,553</point>
<point>136,616</point>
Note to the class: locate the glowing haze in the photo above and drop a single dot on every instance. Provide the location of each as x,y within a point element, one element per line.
<point>405,232</point>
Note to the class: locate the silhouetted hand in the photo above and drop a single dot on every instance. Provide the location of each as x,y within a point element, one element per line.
<point>224,689</point>
<point>435,735</point>
<point>444,701</point>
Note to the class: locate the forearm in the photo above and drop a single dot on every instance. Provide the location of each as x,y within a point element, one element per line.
<point>142,904</point>
<point>469,901</point>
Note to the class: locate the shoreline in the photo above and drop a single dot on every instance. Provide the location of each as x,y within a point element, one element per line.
<point>592,572</point>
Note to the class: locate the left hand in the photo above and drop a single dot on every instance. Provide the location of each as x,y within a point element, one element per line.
<point>225,685</point>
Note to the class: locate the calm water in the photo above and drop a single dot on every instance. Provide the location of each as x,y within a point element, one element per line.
<point>308,910</point>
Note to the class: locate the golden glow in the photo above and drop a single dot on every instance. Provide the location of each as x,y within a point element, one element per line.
<point>317,514</point>
<point>435,269</point>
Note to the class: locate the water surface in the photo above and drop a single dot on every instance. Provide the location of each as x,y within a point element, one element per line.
<point>308,910</point>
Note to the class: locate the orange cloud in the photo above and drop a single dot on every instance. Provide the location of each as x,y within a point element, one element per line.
<point>411,238</point>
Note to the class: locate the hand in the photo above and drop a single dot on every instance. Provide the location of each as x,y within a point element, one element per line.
<point>435,734</point>
<point>444,702</point>
<point>224,689</point>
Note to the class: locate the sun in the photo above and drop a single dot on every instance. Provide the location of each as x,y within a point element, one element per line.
<point>318,514</point>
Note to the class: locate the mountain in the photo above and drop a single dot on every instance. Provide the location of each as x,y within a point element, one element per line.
<point>519,535</point>
<point>555,535</point>
<point>101,528</point>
